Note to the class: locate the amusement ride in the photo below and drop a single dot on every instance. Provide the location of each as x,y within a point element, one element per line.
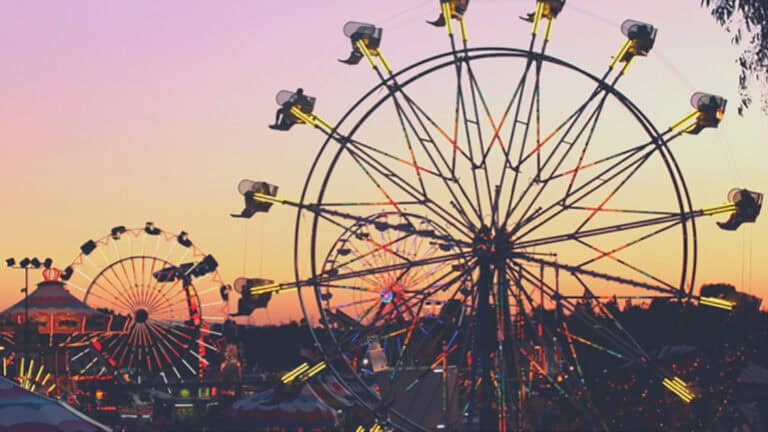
<point>465,205</point>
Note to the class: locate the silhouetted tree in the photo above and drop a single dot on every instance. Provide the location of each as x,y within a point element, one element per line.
<point>747,21</point>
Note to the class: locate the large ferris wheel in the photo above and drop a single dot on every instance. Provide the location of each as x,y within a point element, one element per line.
<point>465,194</point>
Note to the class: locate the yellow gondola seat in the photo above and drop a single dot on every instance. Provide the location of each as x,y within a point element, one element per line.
<point>748,205</point>
<point>284,120</point>
<point>552,9</point>
<point>711,109</point>
<point>642,36</point>
<point>357,31</point>
<point>459,8</point>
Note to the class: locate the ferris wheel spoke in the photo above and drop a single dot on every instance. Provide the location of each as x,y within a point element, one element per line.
<point>347,287</point>
<point>379,247</point>
<point>422,119</point>
<point>427,274</point>
<point>388,268</point>
<point>355,303</point>
<point>414,299</point>
<point>159,296</point>
<point>626,347</point>
<point>628,165</point>
<point>582,166</point>
<point>610,253</point>
<point>123,287</point>
<point>130,343</point>
<point>584,148</point>
<point>567,126</point>
<point>588,127</point>
<point>515,102</point>
<point>367,263</point>
<point>166,340</point>
<point>624,264</point>
<point>174,327</point>
<point>110,302</point>
<point>161,292</point>
<point>336,217</point>
<point>168,333</point>
<point>438,158</point>
<point>363,159</point>
<point>169,306</point>
<point>599,275</point>
<point>436,170</point>
<point>160,343</point>
<point>611,194</point>
<point>153,282</point>
<point>631,160</point>
<point>419,297</point>
<point>476,93</point>
<point>667,219</point>
<point>602,90</point>
<point>110,288</point>
<point>526,124</point>
<point>461,112</point>
<point>130,283</point>
<point>392,178</point>
<point>419,169</point>
<point>635,346</point>
<point>165,296</point>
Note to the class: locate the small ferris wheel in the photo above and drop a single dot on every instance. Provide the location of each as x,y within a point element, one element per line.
<point>163,295</point>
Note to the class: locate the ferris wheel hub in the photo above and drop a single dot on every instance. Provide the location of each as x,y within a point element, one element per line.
<point>491,245</point>
<point>141,315</point>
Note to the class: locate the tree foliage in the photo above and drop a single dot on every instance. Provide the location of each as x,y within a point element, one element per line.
<point>747,22</point>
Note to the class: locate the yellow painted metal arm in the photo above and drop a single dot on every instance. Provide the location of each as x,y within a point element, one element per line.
<point>680,388</point>
<point>310,119</point>
<point>685,119</point>
<point>622,52</point>
<point>370,54</point>
<point>548,33</point>
<point>366,52</point>
<point>447,14</point>
<point>537,17</point>
<point>717,303</point>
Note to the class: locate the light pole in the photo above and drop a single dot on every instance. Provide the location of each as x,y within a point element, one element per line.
<point>25,264</point>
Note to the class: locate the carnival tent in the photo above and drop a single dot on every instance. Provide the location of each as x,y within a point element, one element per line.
<point>54,311</point>
<point>21,410</point>
<point>269,409</point>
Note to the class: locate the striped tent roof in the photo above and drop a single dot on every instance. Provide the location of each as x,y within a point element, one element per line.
<point>21,410</point>
<point>51,297</point>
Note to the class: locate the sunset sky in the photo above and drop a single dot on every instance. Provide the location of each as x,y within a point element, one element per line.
<point>118,113</point>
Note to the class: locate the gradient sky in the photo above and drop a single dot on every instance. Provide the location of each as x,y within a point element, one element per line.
<point>115,113</point>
